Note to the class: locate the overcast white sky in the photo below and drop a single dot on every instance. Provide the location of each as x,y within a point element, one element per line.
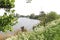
<point>36,6</point>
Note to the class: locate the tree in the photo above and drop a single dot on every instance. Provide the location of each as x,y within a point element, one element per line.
<point>32,16</point>
<point>17,15</point>
<point>6,21</point>
<point>42,18</point>
<point>52,16</point>
<point>45,18</point>
<point>8,4</point>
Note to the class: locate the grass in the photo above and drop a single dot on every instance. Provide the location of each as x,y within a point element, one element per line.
<point>52,33</point>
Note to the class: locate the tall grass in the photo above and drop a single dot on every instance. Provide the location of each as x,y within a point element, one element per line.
<point>52,33</point>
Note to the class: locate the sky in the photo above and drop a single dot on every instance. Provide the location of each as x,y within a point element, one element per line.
<point>36,6</point>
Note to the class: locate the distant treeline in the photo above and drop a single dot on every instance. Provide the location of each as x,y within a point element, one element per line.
<point>43,17</point>
<point>51,14</point>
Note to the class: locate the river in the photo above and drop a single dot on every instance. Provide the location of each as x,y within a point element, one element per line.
<point>27,23</point>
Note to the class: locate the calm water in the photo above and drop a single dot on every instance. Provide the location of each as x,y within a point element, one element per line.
<point>26,22</point>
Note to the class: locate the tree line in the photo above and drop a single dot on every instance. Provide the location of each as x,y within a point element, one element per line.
<point>43,17</point>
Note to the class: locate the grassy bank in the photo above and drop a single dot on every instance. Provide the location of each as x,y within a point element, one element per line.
<point>52,32</point>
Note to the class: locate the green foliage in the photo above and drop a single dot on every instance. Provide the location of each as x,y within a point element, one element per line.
<point>42,18</point>
<point>7,3</point>
<point>51,16</point>
<point>53,31</point>
<point>50,32</point>
<point>32,16</point>
<point>45,18</point>
<point>6,21</point>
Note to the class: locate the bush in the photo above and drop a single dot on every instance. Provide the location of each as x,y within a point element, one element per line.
<point>52,32</point>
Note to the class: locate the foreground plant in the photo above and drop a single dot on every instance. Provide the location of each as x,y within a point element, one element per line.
<point>52,33</point>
